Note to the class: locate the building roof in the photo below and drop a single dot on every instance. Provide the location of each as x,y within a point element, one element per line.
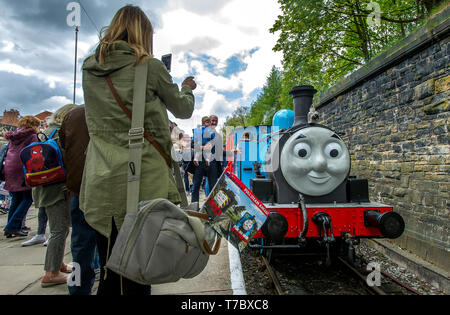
<point>43,115</point>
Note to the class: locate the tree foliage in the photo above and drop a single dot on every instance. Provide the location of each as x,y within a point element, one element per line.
<point>268,102</point>
<point>323,41</point>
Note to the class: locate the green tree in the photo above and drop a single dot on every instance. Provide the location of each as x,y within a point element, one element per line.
<point>239,118</point>
<point>323,40</point>
<point>268,101</point>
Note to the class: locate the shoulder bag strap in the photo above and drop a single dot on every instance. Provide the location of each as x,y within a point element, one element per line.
<point>136,137</point>
<point>136,133</point>
<point>128,113</point>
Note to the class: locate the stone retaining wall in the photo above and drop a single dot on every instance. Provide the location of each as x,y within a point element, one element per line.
<point>394,116</point>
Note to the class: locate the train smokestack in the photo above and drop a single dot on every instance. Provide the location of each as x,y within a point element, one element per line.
<point>303,97</point>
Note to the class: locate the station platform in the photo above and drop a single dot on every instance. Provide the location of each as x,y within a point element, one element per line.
<point>21,269</point>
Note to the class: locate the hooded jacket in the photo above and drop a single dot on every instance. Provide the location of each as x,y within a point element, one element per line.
<point>104,183</point>
<point>14,175</point>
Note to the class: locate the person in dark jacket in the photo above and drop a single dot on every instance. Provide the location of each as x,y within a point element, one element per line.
<point>74,139</point>
<point>21,201</point>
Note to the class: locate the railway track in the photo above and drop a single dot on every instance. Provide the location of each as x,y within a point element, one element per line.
<point>388,284</point>
<point>273,276</point>
<point>341,284</point>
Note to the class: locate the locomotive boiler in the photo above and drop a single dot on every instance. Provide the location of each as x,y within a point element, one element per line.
<point>300,170</point>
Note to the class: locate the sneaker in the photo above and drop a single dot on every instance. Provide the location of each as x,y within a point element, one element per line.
<point>45,243</point>
<point>37,239</point>
<point>10,234</point>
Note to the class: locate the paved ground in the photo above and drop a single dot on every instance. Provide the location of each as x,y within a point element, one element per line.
<point>21,269</point>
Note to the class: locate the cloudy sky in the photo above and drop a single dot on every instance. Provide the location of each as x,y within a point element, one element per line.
<point>225,44</point>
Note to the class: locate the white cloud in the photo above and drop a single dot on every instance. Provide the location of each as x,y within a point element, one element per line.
<point>6,65</point>
<point>201,34</point>
<point>232,28</point>
<point>7,46</point>
<point>53,103</point>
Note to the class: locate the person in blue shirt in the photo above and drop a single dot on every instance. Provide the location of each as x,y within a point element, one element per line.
<point>204,151</point>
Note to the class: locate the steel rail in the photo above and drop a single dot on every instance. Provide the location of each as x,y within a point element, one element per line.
<point>273,277</point>
<point>362,277</point>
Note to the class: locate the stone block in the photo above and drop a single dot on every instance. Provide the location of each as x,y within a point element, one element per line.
<point>424,90</point>
<point>442,84</point>
<point>440,106</point>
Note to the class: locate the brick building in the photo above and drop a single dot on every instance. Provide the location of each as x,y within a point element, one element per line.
<point>10,117</point>
<point>43,118</point>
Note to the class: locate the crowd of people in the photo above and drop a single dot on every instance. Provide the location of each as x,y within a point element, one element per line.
<point>94,141</point>
<point>51,201</point>
<point>203,162</point>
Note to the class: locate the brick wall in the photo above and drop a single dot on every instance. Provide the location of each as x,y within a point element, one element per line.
<point>10,117</point>
<point>394,116</point>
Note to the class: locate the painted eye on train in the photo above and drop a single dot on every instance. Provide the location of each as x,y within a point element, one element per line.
<point>333,150</point>
<point>302,150</point>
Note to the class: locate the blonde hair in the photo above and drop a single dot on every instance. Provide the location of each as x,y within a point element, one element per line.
<point>129,24</point>
<point>58,117</point>
<point>205,119</point>
<point>29,122</point>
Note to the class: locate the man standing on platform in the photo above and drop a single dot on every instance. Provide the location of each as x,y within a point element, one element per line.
<point>74,139</point>
<point>203,157</point>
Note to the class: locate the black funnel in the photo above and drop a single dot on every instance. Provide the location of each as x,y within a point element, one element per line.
<point>303,97</point>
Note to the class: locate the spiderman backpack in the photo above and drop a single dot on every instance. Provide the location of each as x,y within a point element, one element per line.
<point>43,162</point>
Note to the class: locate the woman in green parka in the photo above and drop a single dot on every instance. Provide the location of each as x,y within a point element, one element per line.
<point>126,42</point>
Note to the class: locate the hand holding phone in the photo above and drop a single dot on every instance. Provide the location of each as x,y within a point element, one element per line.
<point>189,81</point>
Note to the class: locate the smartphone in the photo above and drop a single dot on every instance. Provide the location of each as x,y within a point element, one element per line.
<point>167,60</point>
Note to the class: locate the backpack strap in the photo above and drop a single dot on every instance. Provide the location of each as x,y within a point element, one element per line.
<point>53,133</point>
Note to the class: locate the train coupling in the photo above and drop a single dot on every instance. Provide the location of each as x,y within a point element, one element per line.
<point>323,220</point>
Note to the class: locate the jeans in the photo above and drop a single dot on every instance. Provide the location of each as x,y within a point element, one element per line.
<point>211,171</point>
<point>186,180</point>
<point>20,203</point>
<point>83,246</point>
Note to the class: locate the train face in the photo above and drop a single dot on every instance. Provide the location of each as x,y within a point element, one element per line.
<point>314,161</point>
<point>300,171</point>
